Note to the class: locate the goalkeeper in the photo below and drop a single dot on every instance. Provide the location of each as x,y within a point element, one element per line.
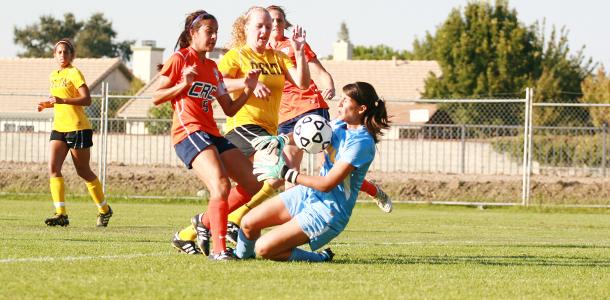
<point>319,207</point>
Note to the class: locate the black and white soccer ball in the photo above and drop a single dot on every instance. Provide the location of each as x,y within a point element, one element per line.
<point>312,133</point>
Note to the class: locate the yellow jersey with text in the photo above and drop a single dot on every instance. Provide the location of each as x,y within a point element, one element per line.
<point>64,84</point>
<point>274,66</point>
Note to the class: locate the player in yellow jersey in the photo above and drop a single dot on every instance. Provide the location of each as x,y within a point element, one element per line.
<point>259,115</point>
<point>72,134</point>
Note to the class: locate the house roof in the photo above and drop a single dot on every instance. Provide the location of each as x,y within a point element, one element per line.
<point>400,112</point>
<point>393,80</point>
<point>31,76</point>
<point>138,107</point>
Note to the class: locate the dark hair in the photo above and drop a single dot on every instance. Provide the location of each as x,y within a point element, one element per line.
<point>375,116</point>
<point>68,44</point>
<point>192,21</point>
<point>281,10</point>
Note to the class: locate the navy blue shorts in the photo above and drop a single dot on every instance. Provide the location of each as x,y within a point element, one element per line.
<point>80,139</point>
<point>193,144</point>
<point>287,126</point>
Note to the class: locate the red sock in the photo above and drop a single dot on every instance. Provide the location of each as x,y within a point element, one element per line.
<point>217,212</point>
<point>369,188</point>
<point>237,197</point>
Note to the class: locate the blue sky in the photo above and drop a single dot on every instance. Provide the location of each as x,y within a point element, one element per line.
<point>390,22</point>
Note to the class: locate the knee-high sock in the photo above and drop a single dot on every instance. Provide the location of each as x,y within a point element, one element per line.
<point>97,194</point>
<point>298,254</point>
<point>217,212</point>
<point>238,196</point>
<point>369,188</point>
<point>266,192</point>
<point>58,194</point>
<point>245,247</point>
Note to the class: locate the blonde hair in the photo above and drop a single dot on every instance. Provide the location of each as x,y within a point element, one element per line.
<point>238,34</point>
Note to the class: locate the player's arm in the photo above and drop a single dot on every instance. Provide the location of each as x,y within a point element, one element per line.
<point>168,90</point>
<point>299,75</point>
<point>238,84</point>
<point>83,99</point>
<point>230,106</point>
<point>326,183</point>
<point>323,79</point>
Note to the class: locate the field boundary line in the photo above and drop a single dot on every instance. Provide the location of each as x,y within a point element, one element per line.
<point>75,258</point>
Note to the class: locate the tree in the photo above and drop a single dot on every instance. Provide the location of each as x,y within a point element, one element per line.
<point>38,39</point>
<point>596,89</point>
<point>159,115</point>
<point>561,75</point>
<point>93,38</point>
<point>486,52</point>
<point>343,33</point>
<point>379,52</point>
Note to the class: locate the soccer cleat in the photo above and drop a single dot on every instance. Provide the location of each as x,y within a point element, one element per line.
<point>224,255</point>
<point>203,234</point>
<point>103,219</point>
<point>383,200</point>
<point>57,220</point>
<point>328,254</point>
<point>232,232</point>
<point>188,247</point>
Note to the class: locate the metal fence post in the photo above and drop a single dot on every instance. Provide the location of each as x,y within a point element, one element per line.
<point>463,149</point>
<point>604,135</point>
<point>526,129</point>
<point>100,135</point>
<point>530,146</point>
<point>104,133</point>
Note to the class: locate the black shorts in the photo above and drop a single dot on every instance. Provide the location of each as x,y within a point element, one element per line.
<point>80,139</point>
<point>196,142</point>
<point>242,135</point>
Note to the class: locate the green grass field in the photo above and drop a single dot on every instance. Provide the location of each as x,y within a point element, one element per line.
<point>414,252</point>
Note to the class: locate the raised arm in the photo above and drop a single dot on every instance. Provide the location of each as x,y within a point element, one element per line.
<point>299,76</point>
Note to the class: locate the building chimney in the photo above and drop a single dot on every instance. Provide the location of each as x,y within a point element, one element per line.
<point>145,59</point>
<point>342,50</point>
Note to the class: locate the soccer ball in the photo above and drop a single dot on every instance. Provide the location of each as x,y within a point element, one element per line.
<point>312,133</point>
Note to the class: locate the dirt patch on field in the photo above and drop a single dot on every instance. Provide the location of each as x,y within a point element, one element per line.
<point>177,181</point>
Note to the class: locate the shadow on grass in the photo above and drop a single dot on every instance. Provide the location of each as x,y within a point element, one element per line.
<point>510,260</point>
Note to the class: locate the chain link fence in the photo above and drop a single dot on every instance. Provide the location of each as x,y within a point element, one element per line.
<point>511,137</point>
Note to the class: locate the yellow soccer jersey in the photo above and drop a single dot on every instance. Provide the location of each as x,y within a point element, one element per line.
<point>65,84</point>
<point>274,65</point>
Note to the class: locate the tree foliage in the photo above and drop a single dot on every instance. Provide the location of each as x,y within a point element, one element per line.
<point>596,89</point>
<point>487,52</point>
<point>159,114</point>
<point>343,34</point>
<point>94,37</point>
<point>379,52</point>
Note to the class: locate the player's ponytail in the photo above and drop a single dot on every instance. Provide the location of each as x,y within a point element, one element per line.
<point>375,116</point>
<point>192,22</point>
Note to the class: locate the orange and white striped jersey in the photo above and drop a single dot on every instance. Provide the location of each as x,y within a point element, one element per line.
<point>193,107</point>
